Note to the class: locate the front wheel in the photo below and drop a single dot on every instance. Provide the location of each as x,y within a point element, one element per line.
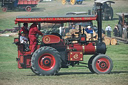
<point>28,8</point>
<point>80,2</point>
<point>4,9</point>
<point>102,64</point>
<point>90,64</point>
<point>46,61</point>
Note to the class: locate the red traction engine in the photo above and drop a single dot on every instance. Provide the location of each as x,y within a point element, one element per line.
<point>21,4</point>
<point>54,52</point>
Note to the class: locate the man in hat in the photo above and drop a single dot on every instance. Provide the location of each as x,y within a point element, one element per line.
<point>32,36</point>
<point>89,30</point>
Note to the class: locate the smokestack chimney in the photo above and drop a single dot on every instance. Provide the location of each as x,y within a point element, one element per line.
<point>99,21</point>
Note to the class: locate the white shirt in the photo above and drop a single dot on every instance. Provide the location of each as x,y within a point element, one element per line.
<point>60,30</point>
<point>108,28</point>
<point>23,39</point>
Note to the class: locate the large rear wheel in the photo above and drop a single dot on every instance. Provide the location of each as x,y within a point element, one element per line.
<point>102,64</point>
<point>46,61</point>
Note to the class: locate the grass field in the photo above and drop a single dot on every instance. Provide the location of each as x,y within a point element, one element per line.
<point>11,75</point>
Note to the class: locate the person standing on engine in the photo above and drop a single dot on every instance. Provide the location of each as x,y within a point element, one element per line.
<point>32,36</point>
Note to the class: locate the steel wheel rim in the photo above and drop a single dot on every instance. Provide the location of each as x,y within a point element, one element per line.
<point>4,9</point>
<point>46,62</point>
<point>28,9</point>
<point>102,64</point>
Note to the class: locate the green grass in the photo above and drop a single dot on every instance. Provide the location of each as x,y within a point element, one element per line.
<point>11,75</point>
<point>7,23</point>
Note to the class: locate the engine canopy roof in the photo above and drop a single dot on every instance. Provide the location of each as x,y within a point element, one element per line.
<point>55,19</point>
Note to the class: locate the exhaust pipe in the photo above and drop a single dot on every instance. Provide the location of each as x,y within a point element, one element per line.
<point>99,21</point>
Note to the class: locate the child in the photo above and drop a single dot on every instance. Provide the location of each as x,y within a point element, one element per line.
<point>24,41</point>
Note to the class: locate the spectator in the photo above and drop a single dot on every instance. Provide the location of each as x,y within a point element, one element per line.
<point>125,31</point>
<point>116,31</point>
<point>108,30</point>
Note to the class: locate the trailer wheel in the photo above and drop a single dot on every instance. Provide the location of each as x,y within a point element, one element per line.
<point>73,2</point>
<point>63,2</point>
<point>111,13</point>
<point>102,64</point>
<point>80,2</point>
<point>46,61</point>
<point>28,8</point>
<point>4,9</point>
<point>90,64</point>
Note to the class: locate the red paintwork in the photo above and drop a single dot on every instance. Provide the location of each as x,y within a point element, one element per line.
<point>60,19</point>
<point>102,64</point>
<point>49,39</point>
<point>45,58</point>
<point>83,39</point>
<point>33,30</point>
<point>16,40</point>
<point>24,57</point>
<point>4,9</point>
<point>89,49</point>
<point>86,49</point>
<point>75,56</point>
<point>27,2</point>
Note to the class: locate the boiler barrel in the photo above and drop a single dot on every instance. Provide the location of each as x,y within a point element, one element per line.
<point>89,48</point>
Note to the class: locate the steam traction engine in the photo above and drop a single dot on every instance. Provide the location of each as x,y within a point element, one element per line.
<point>54,52</point>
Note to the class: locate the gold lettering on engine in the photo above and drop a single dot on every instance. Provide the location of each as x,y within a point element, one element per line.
<point>75,56</point>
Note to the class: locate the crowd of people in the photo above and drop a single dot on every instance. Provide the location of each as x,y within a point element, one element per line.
<point>116,31</point>
<point>108,30</point>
